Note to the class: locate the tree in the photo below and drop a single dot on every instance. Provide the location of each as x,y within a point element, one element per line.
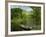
<point>16,14</point>
<point>36,15</point>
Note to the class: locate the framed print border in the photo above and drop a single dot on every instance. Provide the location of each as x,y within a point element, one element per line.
<point>6,18</point>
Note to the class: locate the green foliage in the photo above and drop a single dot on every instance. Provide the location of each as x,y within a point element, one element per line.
<point>20,17</point>
<point>37,14</point>
<point>16,12</point>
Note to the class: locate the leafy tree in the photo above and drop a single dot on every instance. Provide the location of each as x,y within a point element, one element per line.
<point>16,12</point>
<point>16,18</point>
<point>36,14</point>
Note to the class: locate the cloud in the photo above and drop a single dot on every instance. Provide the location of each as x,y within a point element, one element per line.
<point>26,8</point>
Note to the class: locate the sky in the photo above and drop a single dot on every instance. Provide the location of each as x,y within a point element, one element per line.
<point>26,8</point>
